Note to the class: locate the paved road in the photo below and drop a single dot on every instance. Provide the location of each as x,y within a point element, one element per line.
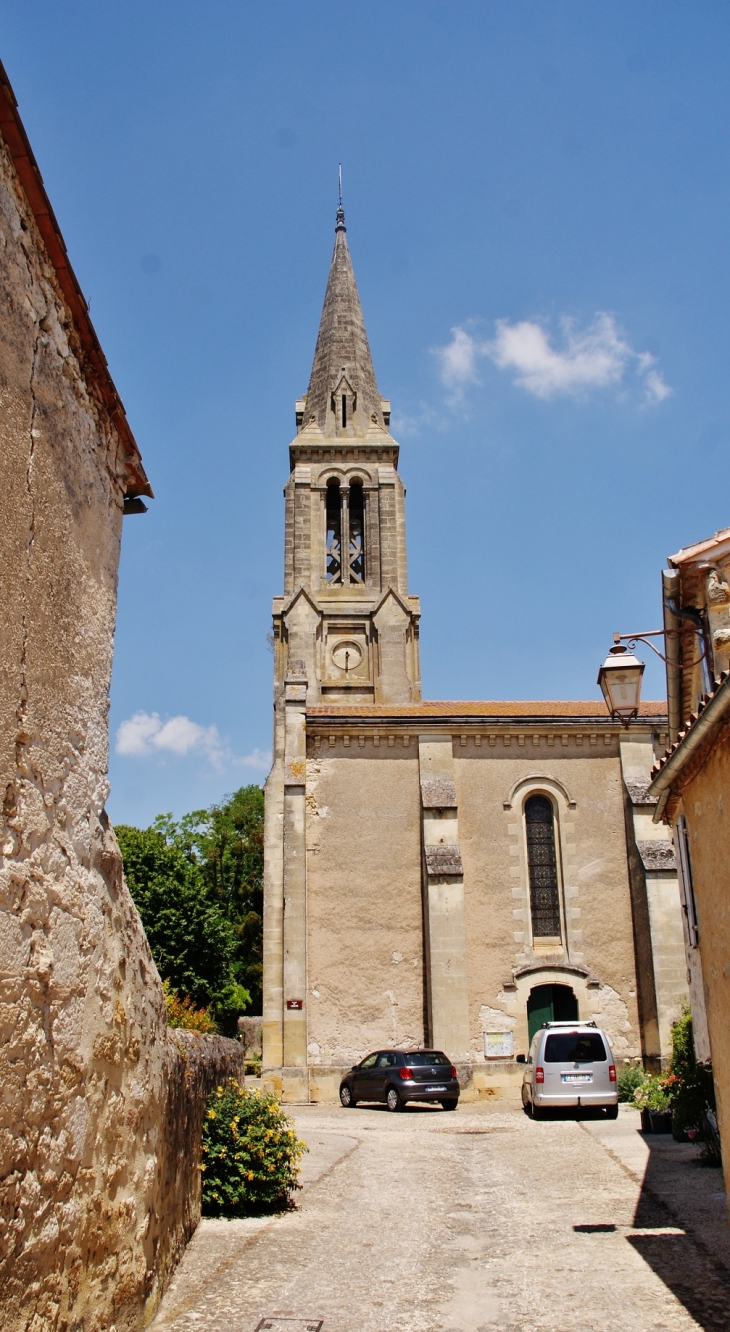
<point>479,1221</point>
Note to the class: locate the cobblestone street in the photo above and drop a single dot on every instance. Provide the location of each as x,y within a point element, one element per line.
<point>480,1221</point>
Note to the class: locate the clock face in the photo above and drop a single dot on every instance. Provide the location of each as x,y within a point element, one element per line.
<point>347,655</point>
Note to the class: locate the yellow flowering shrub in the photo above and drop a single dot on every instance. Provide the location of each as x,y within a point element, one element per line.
<point>250,1153</point>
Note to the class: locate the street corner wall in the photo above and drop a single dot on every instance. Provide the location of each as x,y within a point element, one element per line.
<point>364,905</point>
<point>93,1208</point>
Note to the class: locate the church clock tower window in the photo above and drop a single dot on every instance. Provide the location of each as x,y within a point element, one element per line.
<point>334,533</point>
<point>357,533</point>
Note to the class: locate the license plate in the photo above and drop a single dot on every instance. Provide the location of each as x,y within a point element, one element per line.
<point>435,1089</point>
<point>577,1077</point>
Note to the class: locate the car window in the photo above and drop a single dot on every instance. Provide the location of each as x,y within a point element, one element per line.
<point>370,1061</point>
<point>387,1060</point>
<point>427,1058</point>
<point>575,1047</point>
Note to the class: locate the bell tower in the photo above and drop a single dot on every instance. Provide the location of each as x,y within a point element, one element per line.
<point>345,630</point>
<point>346,618</point>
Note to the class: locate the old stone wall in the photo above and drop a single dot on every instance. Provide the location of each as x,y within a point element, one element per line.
<point>364,904</point>
<point>366,956</point>
<point>598,943</point>
<point>703,804</point>
<point>100,1105</point>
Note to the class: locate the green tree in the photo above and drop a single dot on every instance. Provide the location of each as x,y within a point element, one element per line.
<point>191,939</point>
<point>228,840</point>
<point>198,886</point>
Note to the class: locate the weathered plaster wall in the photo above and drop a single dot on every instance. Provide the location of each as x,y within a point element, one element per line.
<point>365,948</point>
<point>586,790</point>
<point>99,1105</point>
<point>364,903</point>
<point>703,802</point>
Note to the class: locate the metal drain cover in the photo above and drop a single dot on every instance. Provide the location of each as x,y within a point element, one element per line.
<point>276,1324</point>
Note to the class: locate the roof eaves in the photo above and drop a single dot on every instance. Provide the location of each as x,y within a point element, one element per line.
<point>712,710</point>
<point>690,553</point>
<point>13,132</point>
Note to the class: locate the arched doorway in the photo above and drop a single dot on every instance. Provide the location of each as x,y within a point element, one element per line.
<point>550,1003</point>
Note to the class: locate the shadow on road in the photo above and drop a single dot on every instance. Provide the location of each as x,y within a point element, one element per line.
<point>689,1264</point>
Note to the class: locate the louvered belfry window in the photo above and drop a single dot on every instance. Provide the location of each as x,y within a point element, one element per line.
<point>543,868</point>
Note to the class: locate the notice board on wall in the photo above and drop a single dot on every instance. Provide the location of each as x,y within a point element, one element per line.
<point>499,1044</point>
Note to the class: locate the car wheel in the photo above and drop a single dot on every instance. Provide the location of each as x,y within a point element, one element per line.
<point>451,1104</point>
<point>393,1100</point>
<point>346,1097</point>
<point>612,1112</point>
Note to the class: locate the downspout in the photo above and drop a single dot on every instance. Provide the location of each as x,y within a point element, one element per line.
<point>670,589</point>
<point>703,639</point>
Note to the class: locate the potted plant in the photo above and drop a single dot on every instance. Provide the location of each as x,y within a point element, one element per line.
<point>654,1102</point>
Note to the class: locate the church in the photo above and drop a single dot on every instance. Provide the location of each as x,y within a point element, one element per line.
<point>443,874</point>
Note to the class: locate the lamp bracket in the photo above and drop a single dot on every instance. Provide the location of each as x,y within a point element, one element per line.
<point>632,639</point>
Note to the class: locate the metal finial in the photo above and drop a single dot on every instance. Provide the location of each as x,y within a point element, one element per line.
<point>340,211</point>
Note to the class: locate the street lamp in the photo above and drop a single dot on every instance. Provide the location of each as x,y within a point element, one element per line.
<point>620,681</point>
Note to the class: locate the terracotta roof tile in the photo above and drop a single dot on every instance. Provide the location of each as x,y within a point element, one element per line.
<point>690,723</point>
<point>500,708</point>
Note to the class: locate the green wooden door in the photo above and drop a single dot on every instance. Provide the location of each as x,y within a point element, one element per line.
<point>550,1003</point>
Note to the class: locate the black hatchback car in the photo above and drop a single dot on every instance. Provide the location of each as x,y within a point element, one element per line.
<point>399,1076</point>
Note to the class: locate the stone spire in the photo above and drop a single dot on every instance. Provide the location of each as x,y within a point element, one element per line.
<point>343,366</point>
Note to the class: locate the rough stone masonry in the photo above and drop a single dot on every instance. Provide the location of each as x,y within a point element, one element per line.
<point>100,1105</point>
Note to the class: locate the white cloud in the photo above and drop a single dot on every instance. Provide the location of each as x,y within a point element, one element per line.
<point>145,735</point>
<point>595,357</point>
<point>258,758</point>
<point>459,359</point>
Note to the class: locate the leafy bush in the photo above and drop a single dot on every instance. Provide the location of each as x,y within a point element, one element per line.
<point>250,1153</point>
<point>183,1013</point>
<point>692,1094</point>
<point>693,1090</point>
<point>629,1079</point>
<point>653,1094</point>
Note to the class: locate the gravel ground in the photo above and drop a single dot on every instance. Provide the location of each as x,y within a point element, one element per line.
<point>479,1221</point>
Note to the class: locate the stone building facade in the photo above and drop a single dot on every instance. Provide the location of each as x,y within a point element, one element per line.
<point>100,1108</point>
<point>436,873</point>
<point>691,785</point>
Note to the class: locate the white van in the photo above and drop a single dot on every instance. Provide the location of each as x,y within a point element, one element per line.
<point>570,1063</point>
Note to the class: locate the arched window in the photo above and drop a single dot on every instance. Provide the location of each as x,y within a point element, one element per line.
<point>543,868</point>
<point>334,533</point>
<point>357,533</point>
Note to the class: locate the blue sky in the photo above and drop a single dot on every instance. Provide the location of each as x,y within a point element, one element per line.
<point>537,208</point>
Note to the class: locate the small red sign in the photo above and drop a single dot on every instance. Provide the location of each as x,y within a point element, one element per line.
<point>295,1003</point>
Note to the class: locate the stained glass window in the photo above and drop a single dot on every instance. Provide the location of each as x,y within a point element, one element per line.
<point>543,868</point>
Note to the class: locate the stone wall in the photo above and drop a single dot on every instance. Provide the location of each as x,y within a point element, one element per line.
<point>100,1106</point>
<point>370,824</point>
<point>703,805</point>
